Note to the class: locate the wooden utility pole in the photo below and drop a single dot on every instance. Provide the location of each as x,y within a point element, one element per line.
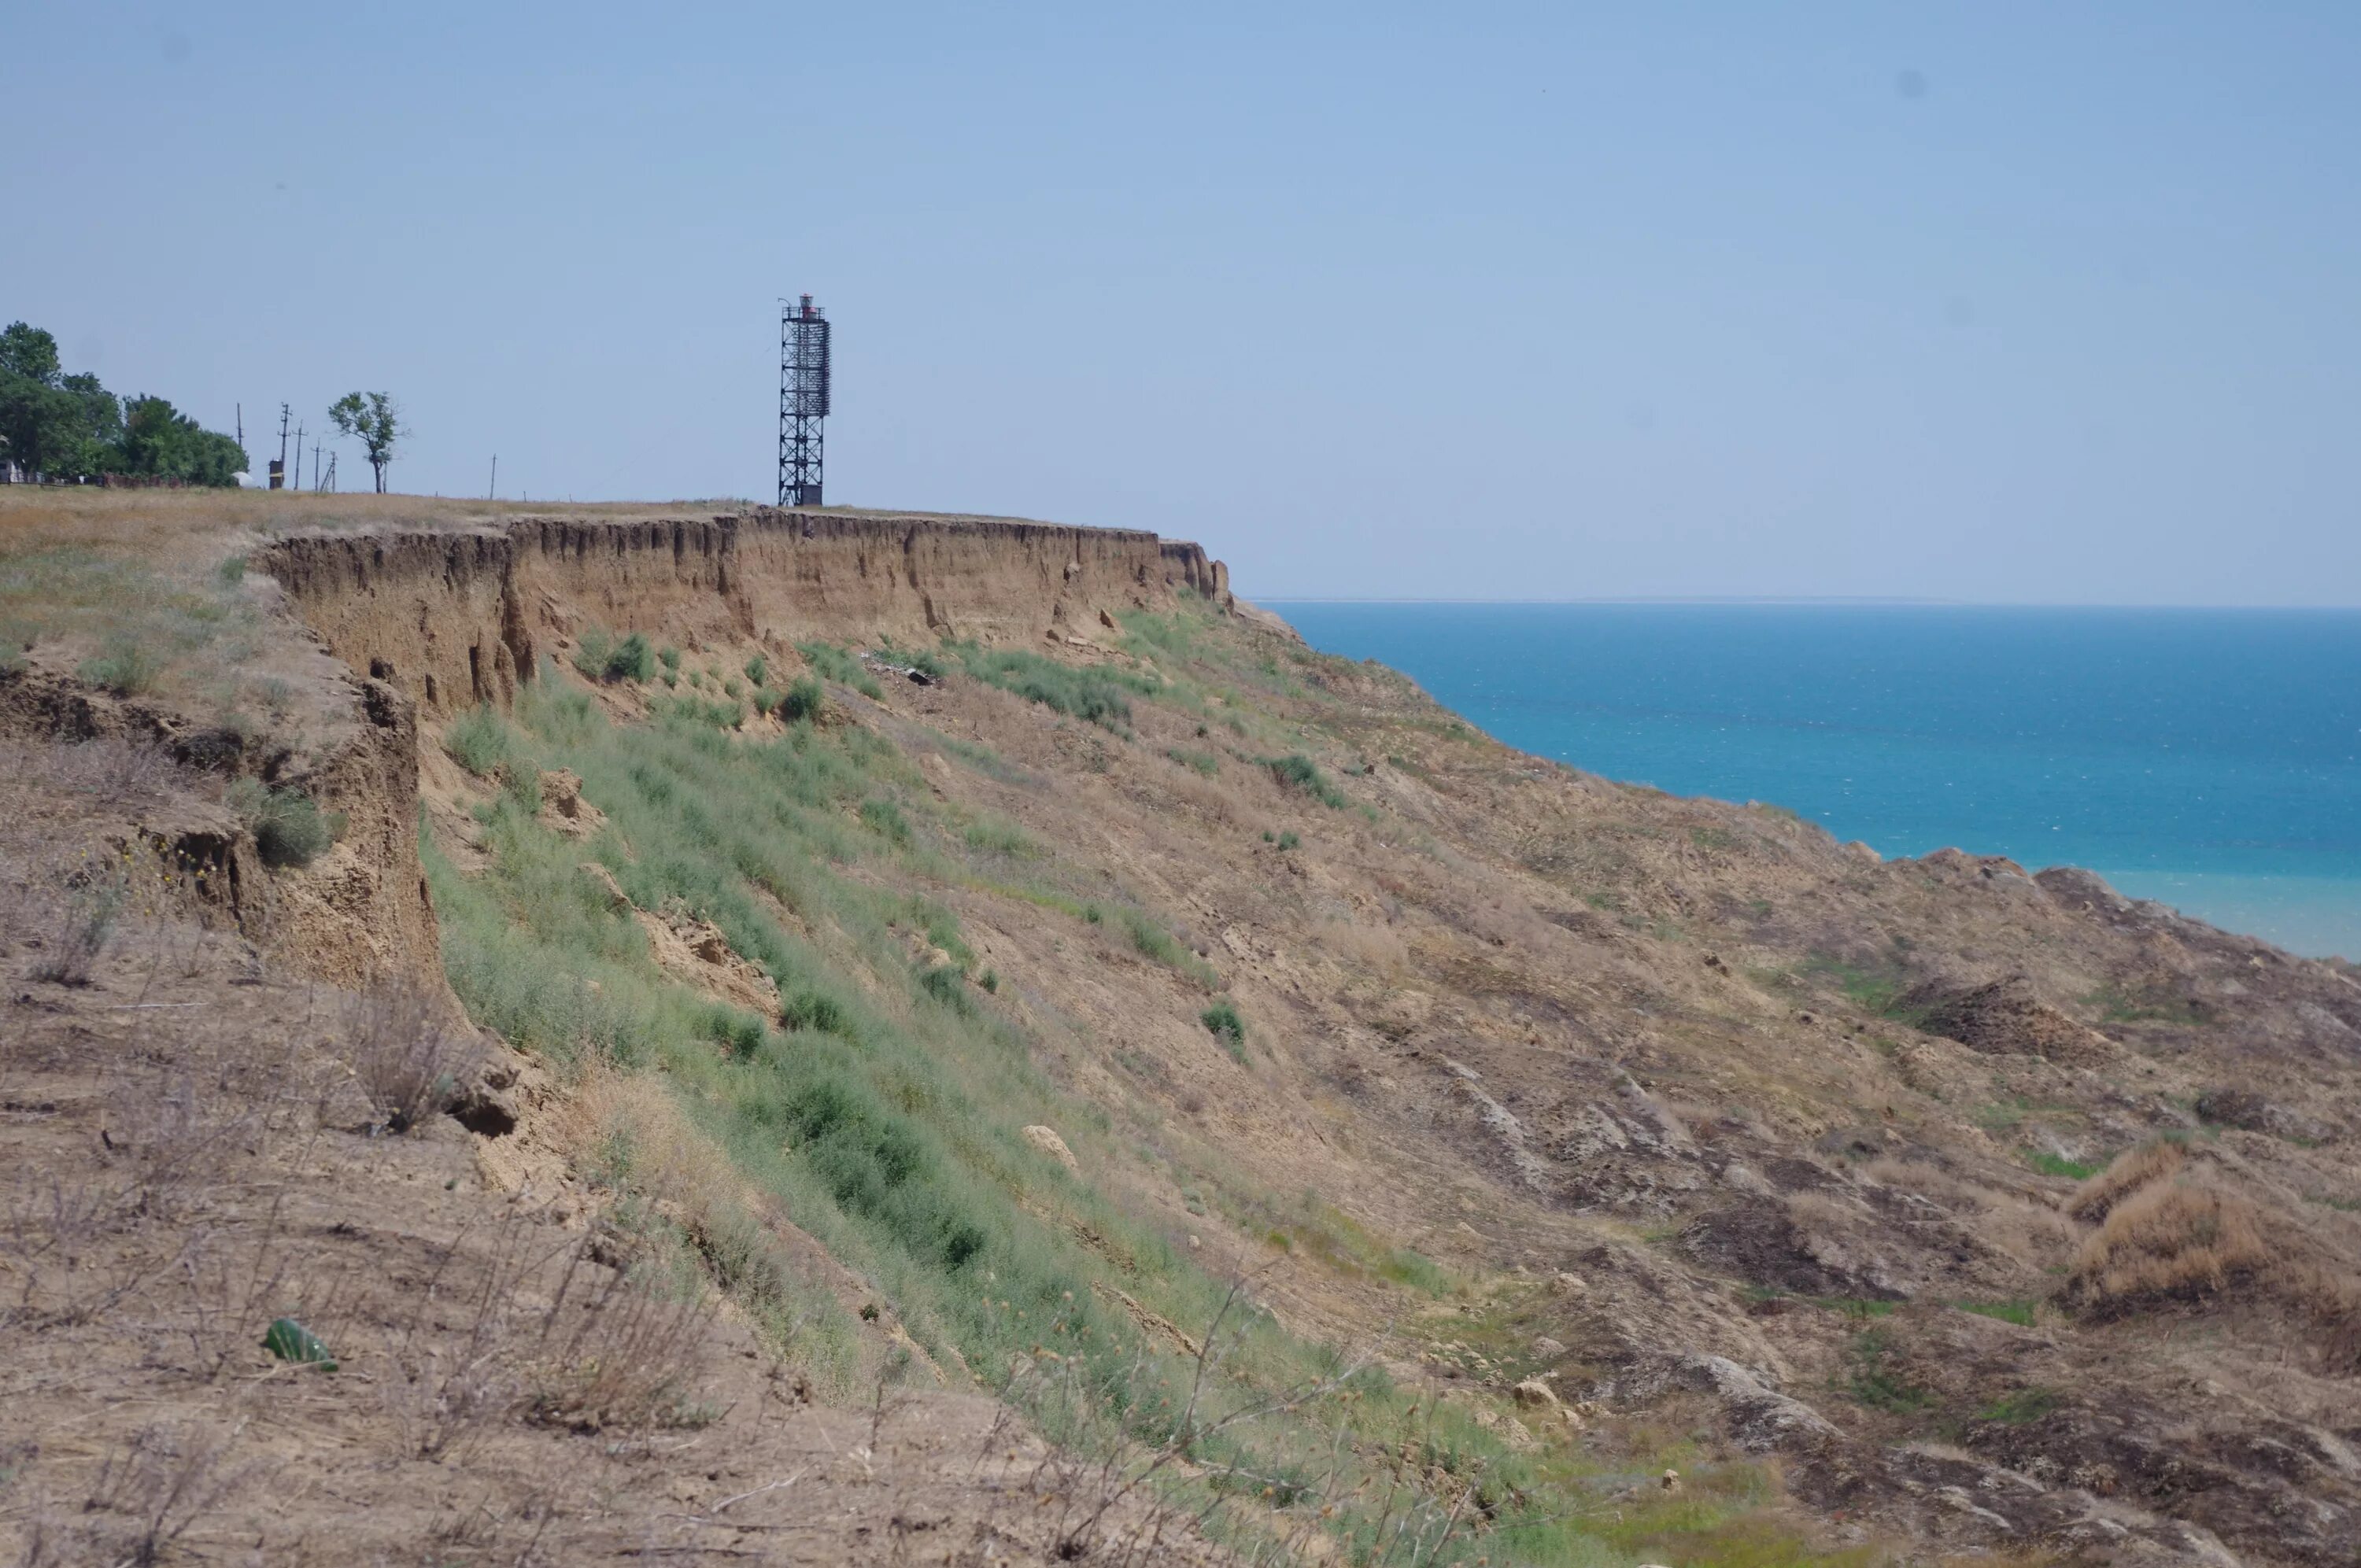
<point>492,491</point>
<point>279,469</point>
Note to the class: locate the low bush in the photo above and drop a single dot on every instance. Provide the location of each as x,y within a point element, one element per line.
<point>477,741</point>
<point>2171,1240</point>
<point>803,700</point>
<point>1223,1021</point>
<point>1299,772</point>
<point>834,664</point>
<point>1093,693</point>
<point>600,657</point>
<point>408,1059</point>
<point>758,670</point>
<point>289,827</point>
<point>124,666</point>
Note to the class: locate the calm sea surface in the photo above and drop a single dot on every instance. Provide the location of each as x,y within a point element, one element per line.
<point>2211,758</point>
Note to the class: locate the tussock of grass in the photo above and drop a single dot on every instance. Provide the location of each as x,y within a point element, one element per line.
<point>834,664</point>
<point>289,827</point>
<point>601,657</point>
<point>1299,772</point>
<point>1094,693</point>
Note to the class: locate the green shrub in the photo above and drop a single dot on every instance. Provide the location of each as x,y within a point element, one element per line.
<point>1298,772</point>
<point>2049,1164</point>
<point>884,818</point>
<point>1094,694</point>
<point>1223,1021</point>
<point>758,670</point>
<point>599,657</point>
<point>834,664</point>
<point>669,657</point>
<point>1204,763</point>
<point>477,741</point>
<point>764,700</point>
<point>289,827</point>
<point>632,660</point>
<point>802,700</point>
<point>739,1033</point>
<point>806,1007</point>
<point>233,571</point>
<point>732,689</point>
<point>124,666</point>
<point>990,980</point>
<point>1288,840</point>
<point>706,710</point>
<point>947,985</point>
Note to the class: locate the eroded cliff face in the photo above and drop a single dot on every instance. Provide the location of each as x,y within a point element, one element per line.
<point>458,617</point>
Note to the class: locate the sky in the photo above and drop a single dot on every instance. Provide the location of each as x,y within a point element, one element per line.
<point>1999,302</point>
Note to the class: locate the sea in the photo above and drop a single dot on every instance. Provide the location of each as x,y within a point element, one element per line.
<point>2210,759</point>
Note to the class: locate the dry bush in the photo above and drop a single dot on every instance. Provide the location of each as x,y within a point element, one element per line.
<point>2130,1170</point>
<point>458,1359</point>
<point>407,1054</point>
<point>69,915</point>
<point>1214,800</point>
<point>618,1352</point>
<point>2169,1240</point>
<point>670,1160</point>
<point>1379,948</point>
<point>109,769</point>
<point>150,1492</point>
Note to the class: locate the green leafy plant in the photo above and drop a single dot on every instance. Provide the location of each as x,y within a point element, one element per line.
<point>1223,1022</point>
<point>803,700</point>
<point>125,666</point>
<point>289,827</point>
<point>1299,772</point>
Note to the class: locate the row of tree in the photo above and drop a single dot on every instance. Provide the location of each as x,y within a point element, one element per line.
<point>69,427</point>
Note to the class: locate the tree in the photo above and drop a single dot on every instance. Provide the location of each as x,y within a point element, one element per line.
<point>158,440</point>
<point>369,419</point>
<point>50,422</point>
<point>70,427</point>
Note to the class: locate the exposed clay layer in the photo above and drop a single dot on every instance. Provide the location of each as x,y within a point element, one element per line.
<point>458,617</point>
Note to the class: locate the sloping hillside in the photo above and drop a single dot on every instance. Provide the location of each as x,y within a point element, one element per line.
<point>955,978</point>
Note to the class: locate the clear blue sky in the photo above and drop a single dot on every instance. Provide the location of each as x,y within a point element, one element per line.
<point>1988,301</point>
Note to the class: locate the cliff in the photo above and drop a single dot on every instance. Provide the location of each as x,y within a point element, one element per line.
<point>458,617</point>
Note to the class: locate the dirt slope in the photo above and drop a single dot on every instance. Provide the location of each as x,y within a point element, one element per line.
<point>1994,1212</point>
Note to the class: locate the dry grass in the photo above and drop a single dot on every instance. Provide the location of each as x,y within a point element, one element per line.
<point>2131,1170</point>
<point>407,1055</point>
<point>619,1351</point>
<point>2169,1240</point>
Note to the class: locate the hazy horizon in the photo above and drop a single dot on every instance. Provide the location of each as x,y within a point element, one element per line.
<point>1849,303</point>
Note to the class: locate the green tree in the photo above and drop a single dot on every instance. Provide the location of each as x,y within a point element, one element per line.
<point>159,441</point>
<point>65,426</point>
<point>370,419</point>
<point>71,427</point>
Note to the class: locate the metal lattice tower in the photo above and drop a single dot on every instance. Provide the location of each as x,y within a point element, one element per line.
<point>803,401</point>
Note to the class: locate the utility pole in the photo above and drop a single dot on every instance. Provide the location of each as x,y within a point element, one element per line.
<point>491,492</point>
<point>279,469</point>
<point>332,473</point>
<point>316,465</point>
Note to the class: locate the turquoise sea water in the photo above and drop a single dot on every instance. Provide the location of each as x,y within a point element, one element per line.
<point>2211,758</point>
